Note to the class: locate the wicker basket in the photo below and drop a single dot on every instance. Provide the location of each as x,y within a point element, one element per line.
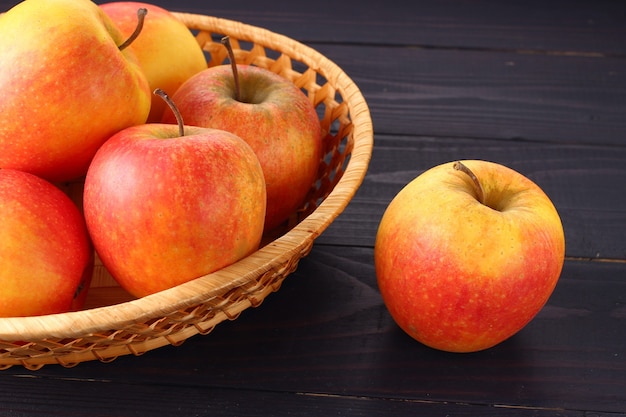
<point>114,324</point>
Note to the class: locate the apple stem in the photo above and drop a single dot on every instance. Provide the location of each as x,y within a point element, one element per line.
<point>179,117</point>
<point>480,194</point>
<point>141,16</point>
<point>233,64</point>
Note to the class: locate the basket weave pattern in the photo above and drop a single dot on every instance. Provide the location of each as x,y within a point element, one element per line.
<point>172,316</point>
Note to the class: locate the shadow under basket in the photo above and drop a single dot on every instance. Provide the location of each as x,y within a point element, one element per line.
<point>114,324</point>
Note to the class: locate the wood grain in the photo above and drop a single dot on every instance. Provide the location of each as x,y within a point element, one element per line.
<point>163,401</point>
<point>568,27</point>
<point>498,95</point>
<point>539,86</point>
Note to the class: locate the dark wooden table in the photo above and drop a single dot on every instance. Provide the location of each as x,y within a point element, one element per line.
<point>539,86</point>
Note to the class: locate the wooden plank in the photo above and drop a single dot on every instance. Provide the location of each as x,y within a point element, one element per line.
<point>58,397</point>
<point>412,91</point>
<point>327,332</point>
<point>582,27</point>
<point>584,182</point>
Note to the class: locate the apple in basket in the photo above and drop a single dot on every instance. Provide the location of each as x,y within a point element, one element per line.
<point>66,85</point>
<point>165,204</point>
<point>467,254</point>
<point>46,258</point>
<point>270,113</point>
<point>167,51</point>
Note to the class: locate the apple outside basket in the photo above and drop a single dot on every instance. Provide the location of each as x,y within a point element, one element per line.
<point>114,324</point>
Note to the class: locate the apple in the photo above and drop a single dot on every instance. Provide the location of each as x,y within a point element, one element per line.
<point>66,86</point>
<point>165,204</point>
<point>272,115</point>
<point>46,258</point>
<point>467,254</point>
<point>167,51</point>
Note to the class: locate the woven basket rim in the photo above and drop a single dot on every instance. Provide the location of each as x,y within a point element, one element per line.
<point>119,316</point>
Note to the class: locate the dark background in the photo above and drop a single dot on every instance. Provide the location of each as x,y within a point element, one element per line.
<point>537,86</point>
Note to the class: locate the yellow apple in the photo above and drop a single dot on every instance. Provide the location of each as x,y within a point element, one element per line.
<point>467,254</point>
<point>166,49</point>
<point>66,86</point>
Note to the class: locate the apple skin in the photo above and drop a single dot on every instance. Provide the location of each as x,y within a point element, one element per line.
<point>461,276</point>
<point>167,51</point>
<point>162,209</point>
<point>274,117</point>
<point>66,87</point>
<point>46,257</point>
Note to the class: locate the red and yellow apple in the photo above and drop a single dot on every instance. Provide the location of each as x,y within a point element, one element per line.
<point>167,51</point>
<point>467,254</point>
<point>164,208</point>
<point>272,115</point>
<point>66,86</point>
<point>46,258</point>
